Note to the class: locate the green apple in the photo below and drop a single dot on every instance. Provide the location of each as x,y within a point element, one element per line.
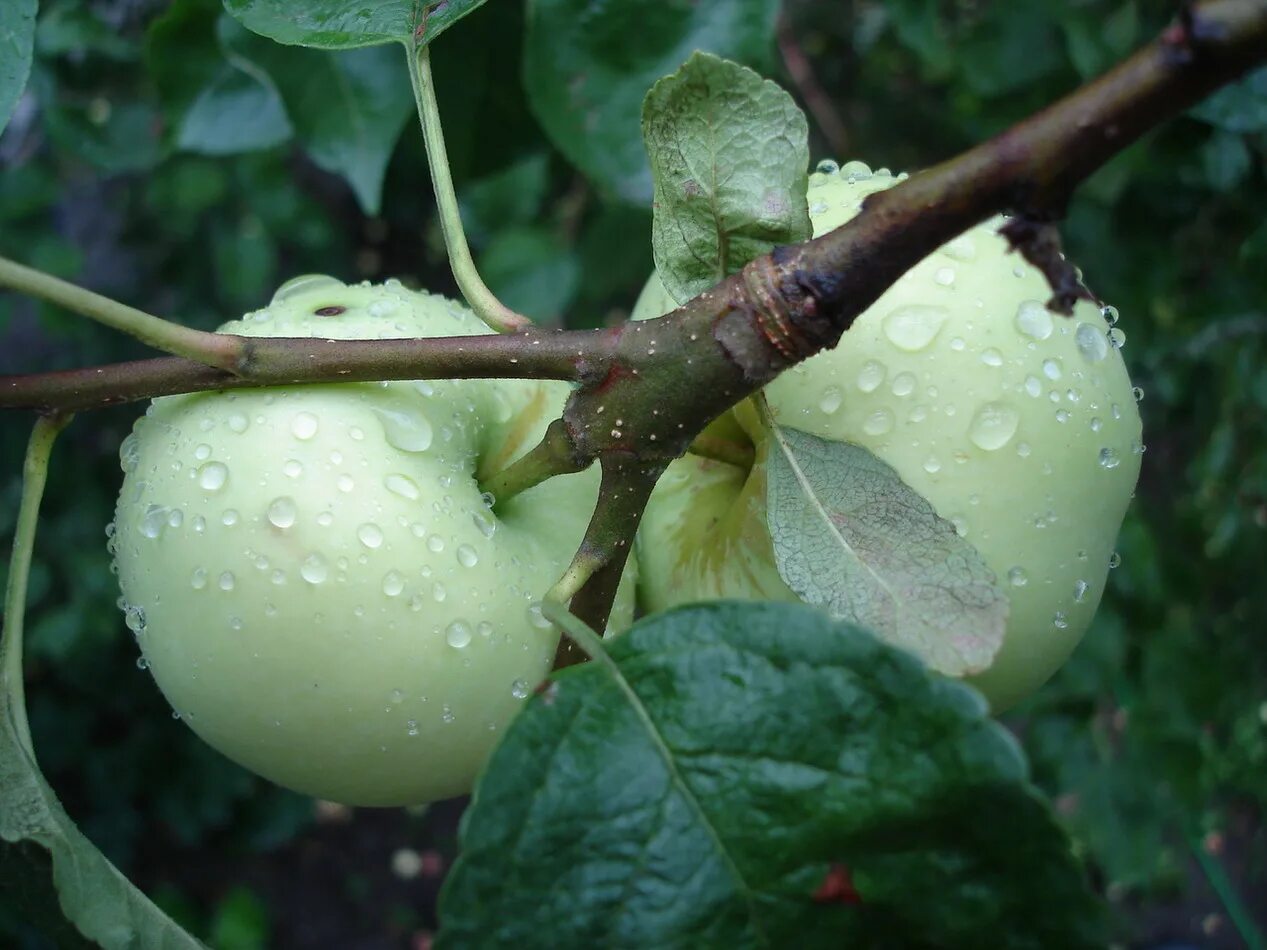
<point>314,578</point>
<point>1018,426</point>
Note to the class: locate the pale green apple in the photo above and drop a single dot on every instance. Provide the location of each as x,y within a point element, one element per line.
<point>1018,425</point>
<point>314,578</point>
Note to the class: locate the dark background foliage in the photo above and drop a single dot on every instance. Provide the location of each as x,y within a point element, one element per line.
<point>1152,741</point>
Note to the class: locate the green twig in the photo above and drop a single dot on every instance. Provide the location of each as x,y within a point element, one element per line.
<point>723,450</point>
<point>210,349</point>
<point>482,300</point>
<point>34,475</point>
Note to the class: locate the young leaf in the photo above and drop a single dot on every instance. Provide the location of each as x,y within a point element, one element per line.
<point>1240,107</point>
<point>759,775</point>
<point>849,535</point>
<point>17,43</point>
<point>729,155</point>
<point>588,65</point>
<point>336,24</point>
<point>44,859</point>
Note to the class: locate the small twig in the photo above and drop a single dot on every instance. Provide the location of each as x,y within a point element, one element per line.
<point>482,300</point>
<point>211,349</point>
<point>577,631</point>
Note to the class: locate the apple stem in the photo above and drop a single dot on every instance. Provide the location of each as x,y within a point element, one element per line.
<point>34,476</point>
<point>210,349</point>
<point>727,451</point>
<point>553,455</point>
<point>482,300</point>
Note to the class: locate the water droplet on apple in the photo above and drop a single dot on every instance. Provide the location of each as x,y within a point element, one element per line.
<point>993,426</point>
<point>914,326</point>
<point>282,512</point>
<point>393,583</point>
<point>991,357</point>
<point>519,689</point>
<point>1033,320</point>
<point>304,283</point>
<point>458,634</point>
<point>467,556</point>
<point>1109,458</point>
<point>1017,577</point>
<point>213,475</point>
<point>407,431</point>
<point>871,376</point>
<point>903,384</point>
<point>292,468</point>
<point>831,400</point>
<point>878,422</point>
<point>402,485</point>
<point>1053,368</point>
<point>303,426</point>
<point>1091,342</point>
<point>1080,591</point>
<point>227,581</point>
<point>370,535</point>
<point>314,569</point>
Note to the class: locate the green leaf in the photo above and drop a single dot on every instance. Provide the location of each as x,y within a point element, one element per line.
<point>1241,107</point>
<point>729,156</point>
<point>849,535</point>
<point>531,271</point>
<point>588,65</point>
<point>759,775</point>
<point>348,107</point>
<point>17,43</point>
<point>240,111</point>
<point>513,195</point>
<point>336,24</point>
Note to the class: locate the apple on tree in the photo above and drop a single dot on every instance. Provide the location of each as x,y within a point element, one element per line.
<point>314,577</point>
<point>1018,426</point>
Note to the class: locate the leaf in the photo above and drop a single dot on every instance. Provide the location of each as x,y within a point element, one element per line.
<point>1240,107</point>
<point>849,535</point>
<point>17,44</point>
<point>588,65</point>
<point>336,24</point>
<point>216,101</point>
<point>729,156</point>
<point>348,107</point>
<point>759,775</point>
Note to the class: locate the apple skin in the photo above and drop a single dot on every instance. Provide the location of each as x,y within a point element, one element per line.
<point>1017,425</point>
<point>317,584</point>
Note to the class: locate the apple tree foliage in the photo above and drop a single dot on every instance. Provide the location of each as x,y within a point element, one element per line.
<point>690,788</point>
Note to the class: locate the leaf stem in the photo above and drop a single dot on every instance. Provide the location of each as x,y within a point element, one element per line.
<point>482,300</point>
<point>1223,887</point>
<point>210,349</point>
<point>34,476</point>
<point>577,630</point>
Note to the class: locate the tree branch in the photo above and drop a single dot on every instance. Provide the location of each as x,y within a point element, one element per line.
<point>274,361</point>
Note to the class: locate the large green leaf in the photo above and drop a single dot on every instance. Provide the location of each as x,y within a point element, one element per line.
<point>729,156</point>
<point>851,536</point>
<point>589,63</point>
<point>335,24</point>
<point>17,42</point>
<point>758,775</point>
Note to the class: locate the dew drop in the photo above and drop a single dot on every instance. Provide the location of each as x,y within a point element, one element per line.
<point>1033,386</point>
<point>202,452</point>
<point>438,593</point>
<point>1059,621</point>
<point>402,485</point>
<point>229,518</point>
<point>303,426</point>
<point>993,426</point>
<point>1117,338</point>
<point>537,618</point>
<point>1109,458</point>
<point>314,569</point>
<point>871,376</point>
<point>467,556</point>
<point>435,543</point>
<point>1080,589</point>
<point>407,431</point>
<point>519,689</point>
<point>932,465</point>
<point>878,422</point>
<point>282,512</point>
<point>961,248</point>
<point>370,535</point>
<point>944,277</point>
<point>485,524</point>
<point>1033,320</point>
<point>238,422</point>
<point>458,634</point>
<point>304,283</point>
<point>134,619</point>
<point>1115,560</point>
<point>903,384</point>
<point>345,483</point>
<point>831,400</point>
<point>198,580</point>
<point>213,475</point>
<point>913,327</point>
<point>292,468</point>
<point>1091,342</point>
<point>393,583</point>
<point>1052,368</point>
<point>1017,577</point>
<point>227,581</point>
<point>991,357</point>
<point>1110,314</point>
